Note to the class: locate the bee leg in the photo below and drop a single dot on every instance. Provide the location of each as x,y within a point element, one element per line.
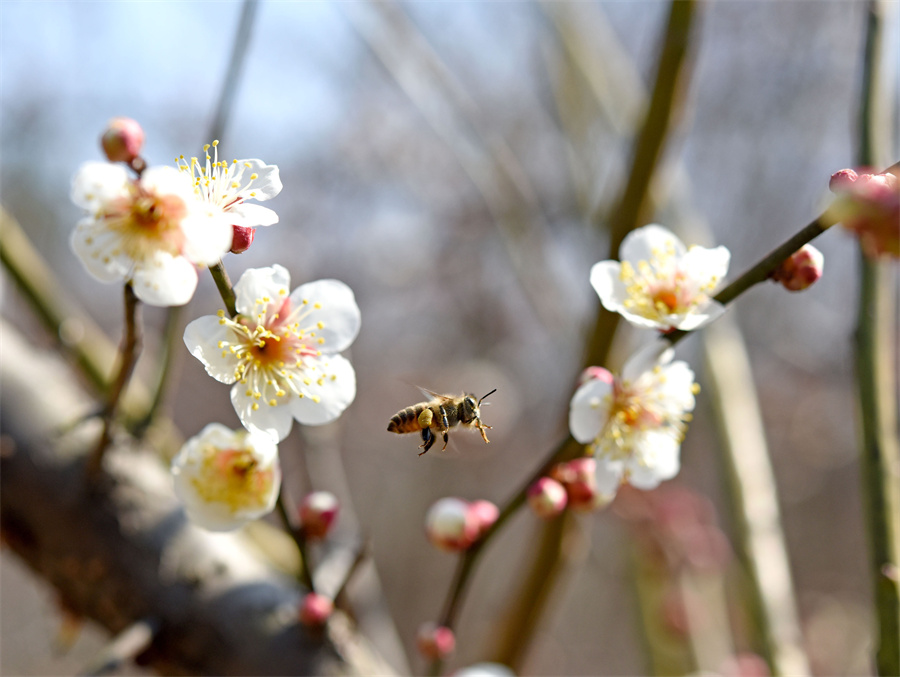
<point>427,440</point>
<point>481,427</point>
<point>445,428</point>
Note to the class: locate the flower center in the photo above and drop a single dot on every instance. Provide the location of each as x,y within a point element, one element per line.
<point>232,477</point>
<point>147,223</point>
<point>274,352</point>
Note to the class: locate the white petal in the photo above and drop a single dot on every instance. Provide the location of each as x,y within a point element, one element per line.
<point>336,392</point>
<point>267,184</point>
<point>589,410</point>
<point>338,314</point>
<point>705,264</point>
<point>251,216</point>
<point>659,453</point>
<point>202,338</point>
<point>710,312</point>
<point>611,290</point>
<point>677,387</point>
<point>274,421</point>
<point>165,280</point>
<point>92,242</point>
<point>640,244</point>
<point>166,180</point>
<point>207,235</point>
<point>657,352</point>
<point>258,283</point>
<point>643,322</point>
<point>609,478</point>
<point>97,183</point>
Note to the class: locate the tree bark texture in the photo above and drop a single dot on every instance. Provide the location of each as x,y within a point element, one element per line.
<point>122,551</point>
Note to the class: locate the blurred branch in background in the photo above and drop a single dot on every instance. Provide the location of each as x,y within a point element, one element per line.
<point>485,156</point>
<point>876,371</point>
<point>753,500</point>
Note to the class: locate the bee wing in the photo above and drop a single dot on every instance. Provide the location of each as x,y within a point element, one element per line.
<point>430,394</point>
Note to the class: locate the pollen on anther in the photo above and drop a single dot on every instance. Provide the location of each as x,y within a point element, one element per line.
<point>255,406</point>
<point>273,402</point>
<point>317,305</point>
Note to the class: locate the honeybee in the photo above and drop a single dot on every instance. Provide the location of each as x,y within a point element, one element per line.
<point>438,415</point>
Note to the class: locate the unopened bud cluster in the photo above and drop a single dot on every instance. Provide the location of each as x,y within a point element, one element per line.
<point>315,610</point>
<point>868,205</point>
<point>122,140</point>
<point>453,524</point>
<point>318,512</point>
<point>435,641</point>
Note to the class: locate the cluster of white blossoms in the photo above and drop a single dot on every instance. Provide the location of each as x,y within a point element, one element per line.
<point>281,350</point>
<point>154,230</point>
<point>634,423</point>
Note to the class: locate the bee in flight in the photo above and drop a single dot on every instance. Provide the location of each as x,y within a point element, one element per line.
<point>438,415</point>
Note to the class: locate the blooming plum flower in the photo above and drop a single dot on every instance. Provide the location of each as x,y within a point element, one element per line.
<point>660,284</point>
<point>635,425</point>
<point>281,350</point>
<point>149,231</point>
<point>227,478</point>
<point>228,187</point>
<point>869,205</point>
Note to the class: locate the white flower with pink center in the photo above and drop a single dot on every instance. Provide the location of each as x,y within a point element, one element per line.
<point>227,478</point>
<point>228,186</point>
<point>635,424</point>
<point>659,283</point>
<point>151,231</point>
<point>281,350</point>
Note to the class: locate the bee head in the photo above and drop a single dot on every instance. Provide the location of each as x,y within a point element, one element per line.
<point>470,407</point>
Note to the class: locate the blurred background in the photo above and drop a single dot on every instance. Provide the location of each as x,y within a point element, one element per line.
<point>451,161</point>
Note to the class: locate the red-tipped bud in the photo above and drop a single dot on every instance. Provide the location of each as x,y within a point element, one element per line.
<point>840,181</point>
<point>745,665</point>
<point>450,525</point>
<point>435,641</point>
<point>318,512</point>
<point>315,610</point>
<point>869,205</point>
<point>122,140</point>
<point>547,498</point>
<point>595,374</point>
<point>579,477</point>
<point>241,239</point>
<point>484,513</point>
<point>801,269</point>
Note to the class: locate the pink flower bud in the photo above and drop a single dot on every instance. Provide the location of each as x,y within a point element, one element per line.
<point>595,373</point>
<point>840,181</point>
<point>241,239</point>
<point>122,140</point>
<point>317,513</point>
<point>435,641</point>
<point>315,609</point>
<point>450,525</point>
<point>547,498</point>
<point>579,477</point>
<point>484,513</point>
<point>869,206</point>
<point>801,269</point>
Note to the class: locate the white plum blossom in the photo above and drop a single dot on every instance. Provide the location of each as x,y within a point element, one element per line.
<point>227,478</point>
<point>660,284</point>
<point>227,187</point>
<point>281,350</point>
<point>151,231</point>
<point>635,424</point>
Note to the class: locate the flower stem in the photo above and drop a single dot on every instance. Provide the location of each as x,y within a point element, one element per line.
<point>223,284</point>
<point>305,573</point>
<point>131,347</point>
<point>877,388</point>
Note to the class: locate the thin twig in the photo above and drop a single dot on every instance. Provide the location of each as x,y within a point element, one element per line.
<point>223,284</point>
<point>131,348</point>
<point>877,388</point>
<point>290,525</point>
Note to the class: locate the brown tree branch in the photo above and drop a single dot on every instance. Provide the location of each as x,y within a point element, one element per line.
<point>123,551</point>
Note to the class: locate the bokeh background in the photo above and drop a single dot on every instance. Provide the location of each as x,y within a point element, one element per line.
<point>448,161</point>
